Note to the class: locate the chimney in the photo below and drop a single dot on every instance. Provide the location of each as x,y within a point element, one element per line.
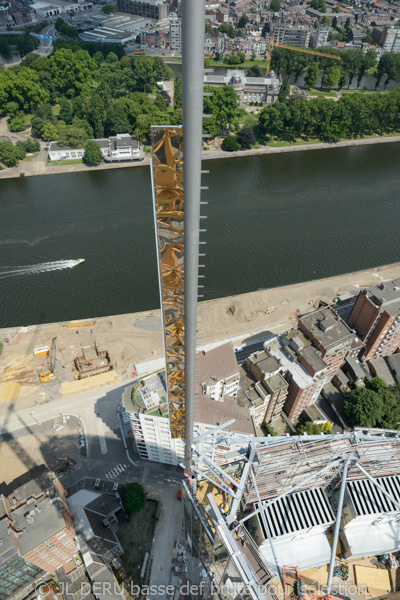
<point>382,286</point>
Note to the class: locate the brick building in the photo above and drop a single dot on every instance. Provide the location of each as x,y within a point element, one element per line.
<point>376,318</point>
<point>40,523</point>
<point>330,335</point>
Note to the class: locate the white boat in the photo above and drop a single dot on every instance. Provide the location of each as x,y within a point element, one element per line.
<point>78,261</point>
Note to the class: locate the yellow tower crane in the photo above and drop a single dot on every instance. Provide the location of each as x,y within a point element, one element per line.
<point>296,49</point>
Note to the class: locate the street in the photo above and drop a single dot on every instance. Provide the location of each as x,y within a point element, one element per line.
<point>108,459</point>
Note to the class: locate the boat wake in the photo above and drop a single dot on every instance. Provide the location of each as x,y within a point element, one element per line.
<point>40,268</point>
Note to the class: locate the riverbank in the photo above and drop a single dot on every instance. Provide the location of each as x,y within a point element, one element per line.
<point>132,339</point>
<point>38,165</point>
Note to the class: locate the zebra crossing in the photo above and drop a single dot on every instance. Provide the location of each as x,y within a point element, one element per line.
<point>115,471</point>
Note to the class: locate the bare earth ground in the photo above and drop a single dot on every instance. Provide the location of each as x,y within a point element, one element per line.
<point>136,539</point>
<point>133,338</point>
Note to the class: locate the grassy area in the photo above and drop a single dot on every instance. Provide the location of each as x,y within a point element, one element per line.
<point>314,92</point>
<point>364,91</point>
<point>248,121</point>
<point>246,64</point>
<point>61,163</point>
<point>31,157</point>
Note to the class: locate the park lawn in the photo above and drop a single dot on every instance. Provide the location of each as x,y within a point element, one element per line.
<point>245,64</point>
<point>248,121</point>
<point>30,157</point>
<point>314,92</point>
<point>61,163</point>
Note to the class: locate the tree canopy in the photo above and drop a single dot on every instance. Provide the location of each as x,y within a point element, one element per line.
<point>133,498</point>
<point>375,405</point>
<point>93,155</point>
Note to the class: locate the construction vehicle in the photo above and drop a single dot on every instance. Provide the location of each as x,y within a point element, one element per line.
<point>50,373</point>
<point>296,49</point>
<point>292,579</point>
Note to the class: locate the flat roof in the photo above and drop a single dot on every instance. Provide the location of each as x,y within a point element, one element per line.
<point>387,298</point>
<point>216,364</point>
<point>211,412</point>
<point>39,526</point>
<point>313,359</point>
<point>326,326</point>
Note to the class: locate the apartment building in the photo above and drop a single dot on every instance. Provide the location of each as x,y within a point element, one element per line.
<point>291,35</point>
<point>215,403</point>
<point>376,318</point>
<point>40,524</point>
<point>271,386</point>
<point>319,37</point>
<point>391,39</point>
<point>330,335</point>
<point>16,573</point>
<point>175,32</point>
<point>151,9</point>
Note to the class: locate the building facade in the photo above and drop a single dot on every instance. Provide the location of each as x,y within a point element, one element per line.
<point>175,32</point>
<point>151,9</point>
<point>376,318</point>
<point>115,148</point>
<point>391,39</point>
<point>248,89</point>
<point>319,37</point>
<point>330,335</point>
<point>291,35</point>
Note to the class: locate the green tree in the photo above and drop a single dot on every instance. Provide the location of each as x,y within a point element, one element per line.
<point>17,123</point>
<point>49,132</point>
<point>331,77</point>
<point>112,58</point>
<point>363,408</point>
<point>275,5</point>
<point>229,144</point>
<point>311,77</point>
<point>254,71</point>
<point>133,498</point>
<point>93,156</point>
<point>109,8</point>
<point>178,91</point>
<point>12,109</point>
<point>32,145</point>
<point>318,5</point>
<point>284,92</point>
<point>8,154</point>
<point>116,120</point>
<point>268,429</point>
<point>243,21</point>
<point>246,137</point>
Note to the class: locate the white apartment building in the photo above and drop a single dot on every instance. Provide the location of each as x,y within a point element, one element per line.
<point>391,39</point>
<point>150,423</point>
<point>319,37</point>
<point>175,32</point>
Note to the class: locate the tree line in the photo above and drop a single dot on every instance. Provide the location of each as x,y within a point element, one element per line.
<point>96,96</point>
<point>352,116</point>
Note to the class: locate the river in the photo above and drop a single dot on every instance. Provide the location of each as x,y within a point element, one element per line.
<point>272,220</point>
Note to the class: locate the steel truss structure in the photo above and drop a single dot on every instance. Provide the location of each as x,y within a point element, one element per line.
<point>167,186</point>
<point>263,471</point>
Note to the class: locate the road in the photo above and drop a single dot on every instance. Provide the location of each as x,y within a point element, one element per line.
<point>46,37</point>
<point>107,458</point>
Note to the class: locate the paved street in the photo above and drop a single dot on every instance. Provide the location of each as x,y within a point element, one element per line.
<point>108,459</point>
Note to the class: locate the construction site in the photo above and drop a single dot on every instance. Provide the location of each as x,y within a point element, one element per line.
<point>299,517</point>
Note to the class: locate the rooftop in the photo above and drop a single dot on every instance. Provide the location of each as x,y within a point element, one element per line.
<point>216,364</point>
<point>312,357</point>
<point>386,295</point>
<point>37,523</point>
<point>214,413</point>
<point>326,327</point>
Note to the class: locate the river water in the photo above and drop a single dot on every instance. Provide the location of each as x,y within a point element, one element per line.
<point>272,220</point>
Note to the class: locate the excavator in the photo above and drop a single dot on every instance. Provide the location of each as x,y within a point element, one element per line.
<point>50,373</point>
